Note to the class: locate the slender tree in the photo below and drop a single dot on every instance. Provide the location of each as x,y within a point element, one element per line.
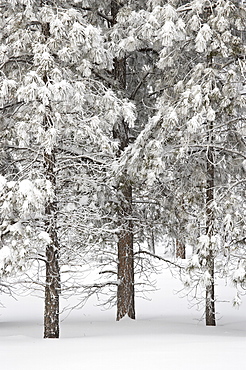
<point>125,272</point>
<point>210,183</point>
<point>184,149</point>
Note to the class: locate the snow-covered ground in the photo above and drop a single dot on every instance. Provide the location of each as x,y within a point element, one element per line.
<point>166,335</point>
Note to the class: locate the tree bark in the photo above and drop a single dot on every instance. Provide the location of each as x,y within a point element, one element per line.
<point>180,249</point>
<point>125,291</point>
<point>53,280</point>
<point>210,295</point>
<point>52,286</point>
<point>125,273</point>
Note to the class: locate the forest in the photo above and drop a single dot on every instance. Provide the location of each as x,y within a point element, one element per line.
<point>122,149</point>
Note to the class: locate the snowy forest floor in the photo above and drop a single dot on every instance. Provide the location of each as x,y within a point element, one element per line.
<point>166,335</point>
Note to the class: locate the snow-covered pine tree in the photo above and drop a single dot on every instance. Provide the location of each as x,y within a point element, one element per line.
<point>134,61</point>
<point>135,50</point>
<point>58,119</point>
<point>125,261</point>
<point>128,79</point>
<point>187,146</point>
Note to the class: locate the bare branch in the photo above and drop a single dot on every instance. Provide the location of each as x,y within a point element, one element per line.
<point>11,105</point>
<point>107,272</point>
<point>218,147</point>
<point>79,155</point>
<point>159,258</point>
<point>133,94</point>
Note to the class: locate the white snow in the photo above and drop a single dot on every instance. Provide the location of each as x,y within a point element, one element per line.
<point>4,254</point>
<point>44,236</point>
<point>166,335</point>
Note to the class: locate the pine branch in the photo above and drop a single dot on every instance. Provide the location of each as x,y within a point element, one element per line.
<point>11,105</point>
<point>27,58</point>
<point>91,287</point>
<point>223,149</point>
<point>133,94</point>
<point>107,272</point>
<point>230,188</point>
<point>79,155</point>
<point>91,9</point>
<point>159,258</point>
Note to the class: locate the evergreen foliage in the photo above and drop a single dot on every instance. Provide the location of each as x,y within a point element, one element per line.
<point>122,119</point>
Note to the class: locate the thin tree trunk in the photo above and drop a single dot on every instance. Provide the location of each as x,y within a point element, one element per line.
<point>53,281</point>
<point>51,311</point>
<point>52,286</point>
<point>180,249</point>
<point>125,291</point>
<point>210,296</point>
<point>125,273</point>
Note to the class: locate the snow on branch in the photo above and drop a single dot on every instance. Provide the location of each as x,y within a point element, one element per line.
<point>159,258</point>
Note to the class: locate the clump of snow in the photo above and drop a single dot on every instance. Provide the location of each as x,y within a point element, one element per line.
<point>44,236</point>
<point>4,254</point>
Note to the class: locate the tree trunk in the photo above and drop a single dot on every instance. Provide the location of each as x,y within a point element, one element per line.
<point>53,280</point>
<point>125,273</point>
<point>52,286</point>
<point>51,310</point>
<point>125,292</point>
<point>210,296</point>
<point>180,249</point>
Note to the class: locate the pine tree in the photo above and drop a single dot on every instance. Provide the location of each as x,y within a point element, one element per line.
<point>60,116</point>
<point>125,271</point>
<point>186,147</point>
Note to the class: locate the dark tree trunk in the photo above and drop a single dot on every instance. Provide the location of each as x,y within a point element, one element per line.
<point>125,273</point>
<point>53,281</point>
<point>210,296</point>
<point>52,286</point>
<point>180,249</point>
<point>125,292</point>
<point>51,310</point>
